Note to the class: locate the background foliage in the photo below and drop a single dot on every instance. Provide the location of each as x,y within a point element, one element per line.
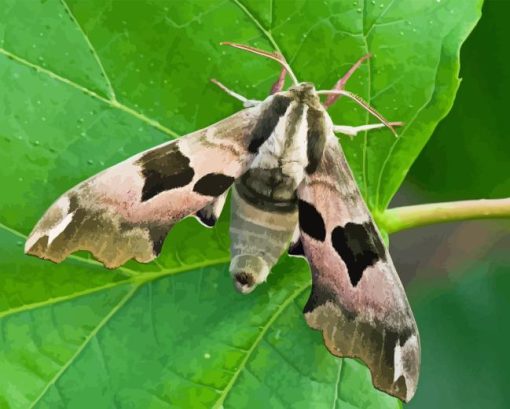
<point>86,84</point>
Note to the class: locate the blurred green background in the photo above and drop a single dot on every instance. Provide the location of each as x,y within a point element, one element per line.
<point>458,274</point>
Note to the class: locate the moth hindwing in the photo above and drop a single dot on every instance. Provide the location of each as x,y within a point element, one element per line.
<point>291,183</point>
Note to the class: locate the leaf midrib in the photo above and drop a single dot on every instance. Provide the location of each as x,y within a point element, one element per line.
<point>111,91</point>
<point>219,403</point>
<point>85,342</point>
<point>259,25</point>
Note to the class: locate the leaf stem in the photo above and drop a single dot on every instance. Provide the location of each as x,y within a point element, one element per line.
<point>407,217</point>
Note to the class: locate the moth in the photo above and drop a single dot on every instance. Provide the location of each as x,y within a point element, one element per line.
<point>291,188</point>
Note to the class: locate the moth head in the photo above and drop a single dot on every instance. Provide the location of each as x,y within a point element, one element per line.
<point>247,272</point>
<point>305,92</point>
<point>302,89</point>
<point>306,87</point>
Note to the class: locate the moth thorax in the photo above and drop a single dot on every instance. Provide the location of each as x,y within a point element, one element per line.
<point>248,271</point>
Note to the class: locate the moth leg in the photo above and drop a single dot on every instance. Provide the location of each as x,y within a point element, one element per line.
<point>331,99</point>
<point>247,103</point>
<point>354,130</point>
<point>280,82</point>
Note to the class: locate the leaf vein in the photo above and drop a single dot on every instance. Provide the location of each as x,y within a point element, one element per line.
<point>133,278</point>
<point>114,104</point>
<point>257,341</point>
<point>138,279</point>
<point>337,383</point>
<point>259,25</point>
<point>111,91</point>
<point>85,342</point>
<point>401,136</point>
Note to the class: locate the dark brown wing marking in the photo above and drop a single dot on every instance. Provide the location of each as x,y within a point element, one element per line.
<point>311,221</point>
<point>268,121</point>
<point>213,184</point>
<point>164,169</point>
<point>316,138</point>
<point>358,246</point>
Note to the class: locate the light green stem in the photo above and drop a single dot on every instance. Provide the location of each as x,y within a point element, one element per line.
<point>407,217</point>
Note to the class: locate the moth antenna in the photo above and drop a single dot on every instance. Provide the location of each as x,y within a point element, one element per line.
<point>276,56</point>
<point>362,103</point>
<point>331,99</point>
<point>229,91</point>
<point>280,82</point>
<point>247,103</point>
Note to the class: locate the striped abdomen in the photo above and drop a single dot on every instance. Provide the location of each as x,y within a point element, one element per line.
<point>258,237</point>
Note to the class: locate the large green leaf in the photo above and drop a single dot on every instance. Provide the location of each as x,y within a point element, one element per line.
<point>86,84</point>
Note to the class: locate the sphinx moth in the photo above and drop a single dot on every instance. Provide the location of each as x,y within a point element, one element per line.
<point>292,189</point>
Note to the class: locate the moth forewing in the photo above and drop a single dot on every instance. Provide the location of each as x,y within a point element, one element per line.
<point>357,299</point>
<point>127,210</point>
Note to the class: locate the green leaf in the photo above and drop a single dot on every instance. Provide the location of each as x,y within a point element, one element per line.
<point>87,84</point>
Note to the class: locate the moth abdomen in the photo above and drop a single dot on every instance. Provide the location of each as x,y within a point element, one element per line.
<point>258,238</point>
<point>247,271</point>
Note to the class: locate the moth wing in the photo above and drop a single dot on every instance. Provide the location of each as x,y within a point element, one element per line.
<point>126,211</point>
<point>357,299</point>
